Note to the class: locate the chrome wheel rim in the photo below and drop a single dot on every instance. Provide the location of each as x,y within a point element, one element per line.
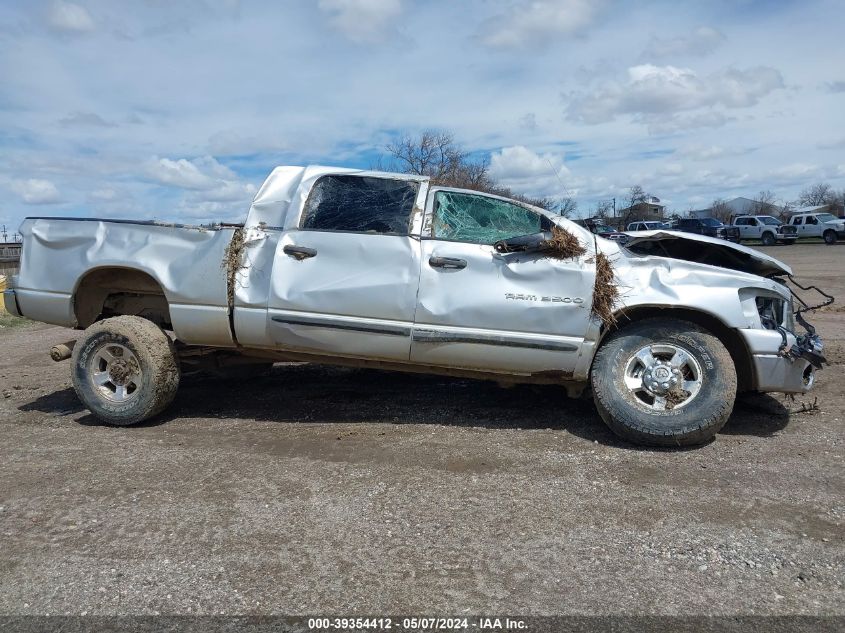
<point>115,373</point>
<point>663,377</point>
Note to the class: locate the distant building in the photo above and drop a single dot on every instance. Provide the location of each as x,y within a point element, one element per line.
<point>10,251</point>
<point>646,211</point>
<point>819,208</point>
<point>737,206</point>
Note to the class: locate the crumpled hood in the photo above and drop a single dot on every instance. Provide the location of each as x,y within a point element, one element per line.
<point>705,250</point>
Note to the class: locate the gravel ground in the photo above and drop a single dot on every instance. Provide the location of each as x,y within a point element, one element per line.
<point>321,490</point>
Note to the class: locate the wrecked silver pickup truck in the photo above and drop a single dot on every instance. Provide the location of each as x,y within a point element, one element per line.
<point>389,271</point>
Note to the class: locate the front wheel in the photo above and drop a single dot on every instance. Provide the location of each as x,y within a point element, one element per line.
<point>664,382</point>
<point>768,239</point>
<point>829,237</point>
<point>125,370</point>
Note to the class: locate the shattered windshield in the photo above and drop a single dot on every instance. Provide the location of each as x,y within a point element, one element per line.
<point>769,220</point>
<point>360,204</point>
<point>466,217</point>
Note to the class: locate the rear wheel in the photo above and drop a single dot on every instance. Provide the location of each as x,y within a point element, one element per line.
<point>125,370</point>
<point>664,382</point>
<point>768,238</point>
<point>829,237</point>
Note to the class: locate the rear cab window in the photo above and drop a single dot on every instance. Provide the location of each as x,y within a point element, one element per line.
<point>360,204</point>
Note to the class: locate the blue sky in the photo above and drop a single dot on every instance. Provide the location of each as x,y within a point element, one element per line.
<point>177,110</point>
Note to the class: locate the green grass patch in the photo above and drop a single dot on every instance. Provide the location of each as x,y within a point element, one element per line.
<point>7,321</point>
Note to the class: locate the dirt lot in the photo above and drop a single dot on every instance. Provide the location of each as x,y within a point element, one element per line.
<point>319,490</point>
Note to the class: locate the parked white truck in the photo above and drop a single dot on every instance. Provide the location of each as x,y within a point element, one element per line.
<point>389,271</point>
<point>824,225</point>
<point>767,229</point>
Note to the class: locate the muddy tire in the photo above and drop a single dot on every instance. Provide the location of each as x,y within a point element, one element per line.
<point>829,237</point>
<point>125,370</point>
<point>768,238</point>
<point>664,382</point>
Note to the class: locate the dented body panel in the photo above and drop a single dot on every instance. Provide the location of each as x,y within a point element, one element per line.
<point>408,297</point>
<point>59,253</point>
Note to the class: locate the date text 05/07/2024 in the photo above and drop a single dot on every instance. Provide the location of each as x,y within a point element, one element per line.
<point>416,623</point>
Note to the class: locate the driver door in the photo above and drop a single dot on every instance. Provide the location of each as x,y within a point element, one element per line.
<point>476,308</point>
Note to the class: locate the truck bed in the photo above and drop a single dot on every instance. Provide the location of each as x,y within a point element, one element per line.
<point>186,262</point>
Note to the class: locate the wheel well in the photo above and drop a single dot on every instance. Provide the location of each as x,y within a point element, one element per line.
<point>732,341</point>
<point>108,292</point>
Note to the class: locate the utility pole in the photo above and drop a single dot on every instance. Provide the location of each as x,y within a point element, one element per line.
<point>5,234</point>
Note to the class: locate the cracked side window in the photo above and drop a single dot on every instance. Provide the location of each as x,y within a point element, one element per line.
<point>465,217</point>
<point>360,204</point>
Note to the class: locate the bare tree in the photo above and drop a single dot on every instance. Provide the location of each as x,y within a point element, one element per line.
<point>434,154</point>
<point>603,210</point>
<point>437,155</point>
<point>823,193</point>
<point>636,196</point>
<point>765,203</point>
<point>567,206</point>
<point>814,195</point>
<point>720,210</point>
<point>784,211</point>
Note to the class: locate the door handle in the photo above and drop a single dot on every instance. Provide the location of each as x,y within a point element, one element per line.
<point>447,262</point>
<point>299,252</point>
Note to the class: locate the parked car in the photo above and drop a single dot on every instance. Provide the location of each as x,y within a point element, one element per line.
<point>648,225</point>
<point>598,228</point>
<point>708,226</point>
<point>765,228</point>
<point>390,271</point>
<point>824,225</point>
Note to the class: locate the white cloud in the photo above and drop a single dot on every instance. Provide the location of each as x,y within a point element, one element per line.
<point>200,174</point>
<point>659,90</point>
<point>67,17</point>
<point>672,123</point>
<point>85,119</point>
<point>700,42</point>
<point>835,144</point>
<point>325,101</point>
<point>106,194</point>
<point>795,172</point>
<point>710,152</point>
<point>230,192</point>
<point>538,21</point>
<point>36,191</point>
<point>211,184</point>
<point>229,142</point>
<point>526,171</point>
<point>361,20</point>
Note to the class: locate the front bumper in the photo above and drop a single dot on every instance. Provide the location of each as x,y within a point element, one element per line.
<point>776,370</point>
<point>10,303</point>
